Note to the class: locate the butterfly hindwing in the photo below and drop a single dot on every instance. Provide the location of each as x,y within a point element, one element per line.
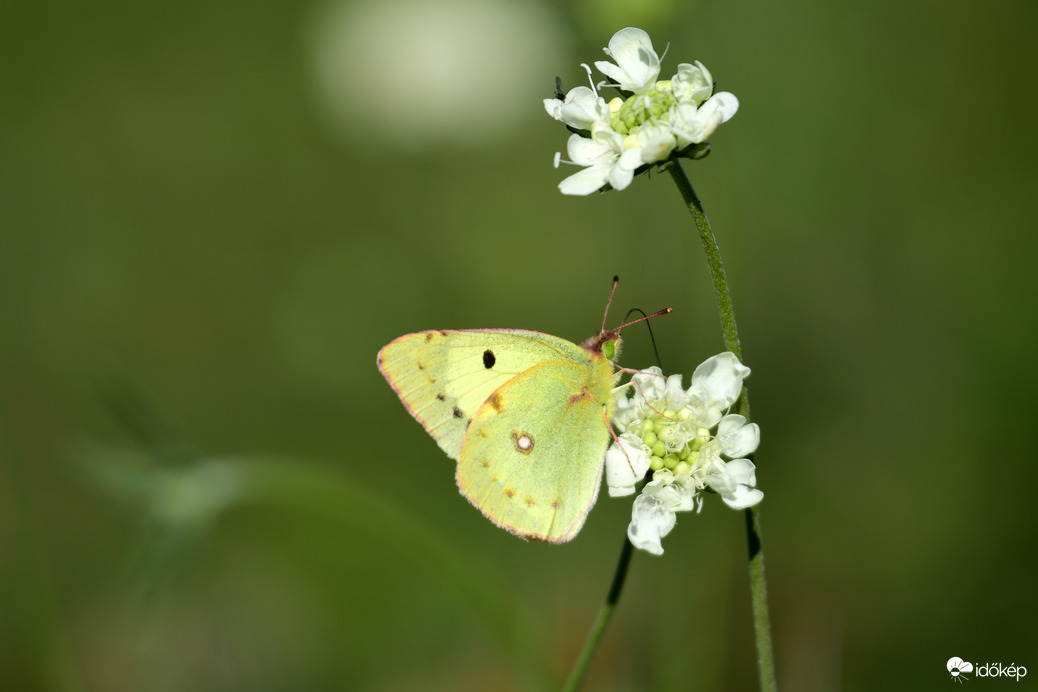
<point>444,377</point>
<point>532,458</point>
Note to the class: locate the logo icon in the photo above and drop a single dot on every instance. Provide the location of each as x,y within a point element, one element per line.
<point>958,668</point>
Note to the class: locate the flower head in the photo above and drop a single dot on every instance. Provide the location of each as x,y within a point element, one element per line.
<point>689,442</point>
<point>649,122</point>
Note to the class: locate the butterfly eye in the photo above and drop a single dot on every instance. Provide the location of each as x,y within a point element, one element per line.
<point>609,349</point>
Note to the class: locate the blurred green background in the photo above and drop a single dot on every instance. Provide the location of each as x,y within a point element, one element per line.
<point>213,215</point>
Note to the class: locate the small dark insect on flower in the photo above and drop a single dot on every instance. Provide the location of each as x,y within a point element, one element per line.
<point>559,93</point>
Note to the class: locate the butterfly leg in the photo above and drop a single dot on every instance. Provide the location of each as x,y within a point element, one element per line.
<point>618,443</point>
<point>640,390</point>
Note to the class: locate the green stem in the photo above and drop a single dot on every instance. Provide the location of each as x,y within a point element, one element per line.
<point>713,258</point>
<point>576,677</point>
<point>758,584</point>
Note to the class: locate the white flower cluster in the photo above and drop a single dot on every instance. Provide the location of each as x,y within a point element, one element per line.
<point>655,119</point>
<point>689,442</point>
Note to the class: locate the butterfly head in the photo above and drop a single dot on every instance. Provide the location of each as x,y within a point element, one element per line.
<point>605,344</point>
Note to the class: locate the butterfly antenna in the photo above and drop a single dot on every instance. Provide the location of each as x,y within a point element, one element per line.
<point>664,311</point>
<point>648,325</point>
<point>616,280</point>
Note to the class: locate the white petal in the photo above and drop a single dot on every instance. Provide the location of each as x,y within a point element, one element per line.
<point>692,83</point>
<point>675,396</point>
<point>554,107</point>
<point>743,497</point>
<point>626,464</point>
<point>681,500</point>
<point>694,125</point>
<point>705,413</point>
<point>625,414</point>
<point>658,148</point>
<point>614,73</point>
<point>632,49</point>
<point>650,522</point>
<point>735,437</point>
<point>585,182</point>
<point>741,471</point>
<point>650,384</point>
<point>645,537</point>
<point>735,484</point>
<point>719,378</point>
<point>708,79</point>
<point>588,152</point>
<point>631,159</point>
<point>726,104</point>
<point>675,493</point>
<point>620,177</point>
<point>637,65</point>
<point>584,109</point>
<point>609,138</point>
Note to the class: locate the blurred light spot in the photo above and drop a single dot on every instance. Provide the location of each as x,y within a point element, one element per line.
<point>418,75</point>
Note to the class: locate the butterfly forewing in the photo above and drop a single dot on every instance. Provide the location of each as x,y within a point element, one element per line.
<point>444,377</point>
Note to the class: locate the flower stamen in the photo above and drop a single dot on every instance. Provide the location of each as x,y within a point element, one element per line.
<point>590,79</point>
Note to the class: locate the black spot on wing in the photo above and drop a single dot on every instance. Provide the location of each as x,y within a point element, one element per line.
<point>441,397</point>
<point>488,359</point>
<point>458,413</point>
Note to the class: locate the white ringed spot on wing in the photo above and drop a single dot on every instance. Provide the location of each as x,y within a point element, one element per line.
<point>523,442</point>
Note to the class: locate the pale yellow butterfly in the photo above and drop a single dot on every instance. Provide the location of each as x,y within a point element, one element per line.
<point>525,414</point>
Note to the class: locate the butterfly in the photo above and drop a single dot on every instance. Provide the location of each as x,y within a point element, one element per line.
<point>525,414</point>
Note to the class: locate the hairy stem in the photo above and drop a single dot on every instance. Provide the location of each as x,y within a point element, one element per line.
<point>576,676</point>
<point>758,584</point>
